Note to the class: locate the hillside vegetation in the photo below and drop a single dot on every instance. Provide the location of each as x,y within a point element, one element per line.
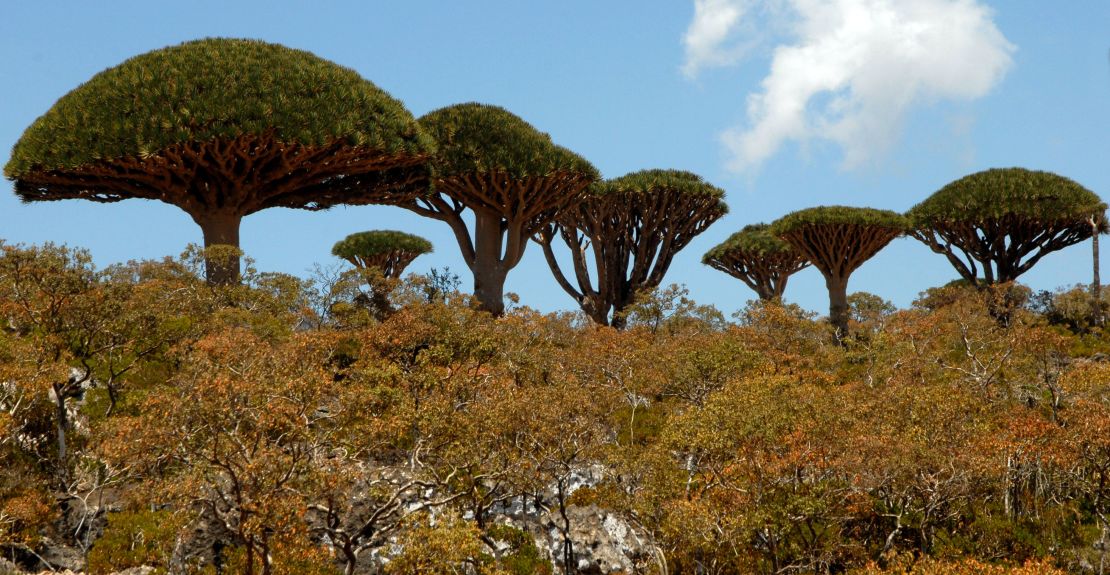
<point>278,426</point>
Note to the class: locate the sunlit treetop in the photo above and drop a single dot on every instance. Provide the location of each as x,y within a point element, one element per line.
<point>837,240</point>
<point>758,258</point>
<point>995,225</point>
<point>214,88</point>
<point>388,251</point>
<point>1002,192</point>
<point>376,242</point>
<point>479,138</point>
<point>755,239</point>
<point>832,215</point>
<point>673,181</point>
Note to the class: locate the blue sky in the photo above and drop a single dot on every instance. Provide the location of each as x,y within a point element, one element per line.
<point>856,102</point>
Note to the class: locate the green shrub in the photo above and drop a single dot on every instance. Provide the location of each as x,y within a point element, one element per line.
<point>133,539</point>
<point>524,557</point>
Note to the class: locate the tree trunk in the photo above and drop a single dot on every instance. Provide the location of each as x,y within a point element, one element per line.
<point>569,567</point>
<point>838,306</point>
<point>489,270</point>
<point>220,228</point>
<point>1096,281</point>
<point>350,559</point>
<point>489,290</point>
<point>62,422</point>
<point>623,298</point>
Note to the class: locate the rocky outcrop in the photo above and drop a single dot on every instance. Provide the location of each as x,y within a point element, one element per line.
<point>602,542</point>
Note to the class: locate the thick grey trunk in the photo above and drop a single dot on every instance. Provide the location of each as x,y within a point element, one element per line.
<point>489,269</point>
<point>220,229</point>
<point>489,290</point>
<point>838,306</point>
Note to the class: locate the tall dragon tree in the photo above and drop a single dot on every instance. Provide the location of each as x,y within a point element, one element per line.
<point>223,128</point>
<point>997,224</point>
<point>632,227</point>
<point>381,256</point>
<point>759,259</point>
<point>837,240</point>
<point>513,179</point>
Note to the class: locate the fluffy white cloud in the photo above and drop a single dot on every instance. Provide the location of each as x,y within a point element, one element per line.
<point>705,39</point>
<point>851,69</point>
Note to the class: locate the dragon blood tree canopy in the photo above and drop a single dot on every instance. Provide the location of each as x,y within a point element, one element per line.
<point>223,128</point>
<point>633,226</point>
<point>512,176</point>
<point>837,240</point>
<point>759,259</point>
<point>387,250</point>
<point>1001,222</point>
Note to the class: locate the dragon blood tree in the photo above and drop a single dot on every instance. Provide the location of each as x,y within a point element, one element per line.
<point>995,225</point>
<point>632,226</point>
<point>223,128</point>
<point>837,240</point>
<point>384,254</point>
<point>511,176</point>
<point>757,258</point>
<point>388,251</point>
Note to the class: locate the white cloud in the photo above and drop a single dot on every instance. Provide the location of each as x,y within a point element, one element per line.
<point>705,39</point>
<point>852,69</point>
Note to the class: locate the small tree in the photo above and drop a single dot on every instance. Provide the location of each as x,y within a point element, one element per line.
<point>222,129</point>
<point>837,240</point>
<point>381,256</point>
<point>633,225</point>
<point>511,176</point>
<point>995,225</point>
<point>758,259</point>
<point>390,252</point>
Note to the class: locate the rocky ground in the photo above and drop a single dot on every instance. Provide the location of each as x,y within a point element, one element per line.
<point>603,542</point>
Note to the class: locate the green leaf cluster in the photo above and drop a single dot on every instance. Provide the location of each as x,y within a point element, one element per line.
<point>646,181</point>
<point>214,88</point>
<point>755,239</point>
<point>372,243</point>
<point>833,215</point>
<point>479,138</point>
<point>134,539</point>
<point>1000,192</point>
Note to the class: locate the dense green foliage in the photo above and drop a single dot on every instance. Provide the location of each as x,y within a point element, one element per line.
<point>994,226</point>
<point>214,88</point>
<point>755,239</point>
<point>759,259</point>
<point>831,215</point>
<point>133,539</point>
<point>479,138</point>
<point>677,182</point>
<point>377,242</point>
<point>937,441</point>
<point>996,193</point>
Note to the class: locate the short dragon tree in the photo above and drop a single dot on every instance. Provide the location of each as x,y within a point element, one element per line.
<point>513,179</point>
<point>997,224</point>
<point>837,240</point>
<point>757,258</point>
<point>223,128</point>
<point>632,227</point>
<point>381,255</point>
